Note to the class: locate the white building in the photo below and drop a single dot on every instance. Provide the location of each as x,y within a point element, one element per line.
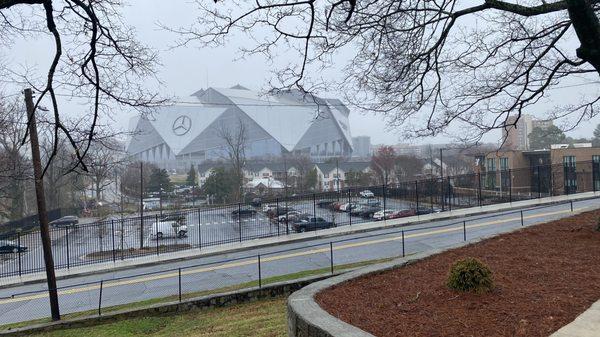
<point>177,136</point>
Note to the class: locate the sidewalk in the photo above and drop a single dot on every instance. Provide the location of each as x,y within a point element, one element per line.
<point>292,238</point>
<point>585,325</point>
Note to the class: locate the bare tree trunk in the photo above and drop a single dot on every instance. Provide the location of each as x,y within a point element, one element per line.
<point>586,24</point>
<point>41,206</point>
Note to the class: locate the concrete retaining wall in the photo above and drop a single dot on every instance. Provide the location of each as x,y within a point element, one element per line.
<point>199,303</point>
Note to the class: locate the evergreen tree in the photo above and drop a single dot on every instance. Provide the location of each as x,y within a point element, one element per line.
<point>159,178</point>
<point>220,185</point>
<point>542,138</point>
<point>191,177</point>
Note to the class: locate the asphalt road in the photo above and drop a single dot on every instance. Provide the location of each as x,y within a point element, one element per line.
<point>82,293</point>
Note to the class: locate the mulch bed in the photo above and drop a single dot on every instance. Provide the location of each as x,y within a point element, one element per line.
<point>545,276</point>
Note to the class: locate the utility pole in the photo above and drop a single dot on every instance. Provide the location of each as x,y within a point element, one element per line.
<point>41,206</point>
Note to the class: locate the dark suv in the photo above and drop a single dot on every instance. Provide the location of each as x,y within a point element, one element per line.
<point>311,224</point>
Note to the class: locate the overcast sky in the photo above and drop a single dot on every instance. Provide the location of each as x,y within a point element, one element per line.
<point>186,70</point>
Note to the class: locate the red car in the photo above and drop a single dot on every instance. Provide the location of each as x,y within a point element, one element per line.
<point>402,214</point>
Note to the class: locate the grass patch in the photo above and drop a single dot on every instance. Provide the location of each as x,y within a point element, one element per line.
<point>146,303</point>
<point>262,318</point>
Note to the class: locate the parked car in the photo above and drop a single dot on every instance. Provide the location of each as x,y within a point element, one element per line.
<point>358,209</point>
<point>427,210</point>
<point>173,225</point>
<point>256,202</point>
<point>292,216</point>
<point>277,211</point>
<point>366,194</point>
<point>311,224</point>
<point>372,202</point>
<point>7,247</point>
<point>383,215</point>
<point>369,211</point>
<point>402,214</point>
<point>243,212</point>
<point>347,207</point>
<point>65,221</point>
<point>268,207</point>
<point>336,205</point>
<point>324,203</point>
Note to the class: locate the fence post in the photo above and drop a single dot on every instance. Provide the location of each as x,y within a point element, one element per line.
<point>521,218</point>
<point>240,220</point>
<point>112,228</point>
<point>417,194</point>
<point>384,198</point>
<point>431,194</point>
<point>442,196</point>
<point>259,274</point>
<point>19,250</point>
<point>571,205</point>
<point>68,253</point>
<point>464,231</point>
<point>314,206</point>
<point>199,230</point>
<point>403,252</point>
<point>157,239</point>
<point>350,212</point>
<point>479,188</point>
<point>539,181</point>
<point>331,255</point>
<point>509,186</point>
<point>277,215</point>
<point>179,283</point>
<point>100,298</point>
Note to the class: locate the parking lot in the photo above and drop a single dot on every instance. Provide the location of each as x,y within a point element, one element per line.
<point>122,238</point>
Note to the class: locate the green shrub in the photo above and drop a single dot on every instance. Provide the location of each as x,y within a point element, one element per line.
<point>470,275</point>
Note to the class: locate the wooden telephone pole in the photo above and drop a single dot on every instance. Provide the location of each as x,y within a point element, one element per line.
<point>41,206</point>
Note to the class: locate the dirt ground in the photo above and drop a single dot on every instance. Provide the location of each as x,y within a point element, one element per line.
<point>544,276</point>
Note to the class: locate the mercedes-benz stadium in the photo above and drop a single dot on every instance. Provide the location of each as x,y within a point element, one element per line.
<point>198,129</point>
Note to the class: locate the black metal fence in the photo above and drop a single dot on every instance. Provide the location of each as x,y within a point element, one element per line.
<point>120,238</point>
<point>267,265</point>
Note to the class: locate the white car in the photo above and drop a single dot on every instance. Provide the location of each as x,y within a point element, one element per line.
<point>267,208</point>
<point>170,226</point>
<point>367,194</point>
<point>382,215</point>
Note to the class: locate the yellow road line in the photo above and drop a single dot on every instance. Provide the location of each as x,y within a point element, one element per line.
<point>111,284</point>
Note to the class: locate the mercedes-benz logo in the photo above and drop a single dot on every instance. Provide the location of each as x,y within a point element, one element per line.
<point>182,125</point>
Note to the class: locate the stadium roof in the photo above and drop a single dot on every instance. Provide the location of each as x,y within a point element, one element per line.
<point>286,116</point>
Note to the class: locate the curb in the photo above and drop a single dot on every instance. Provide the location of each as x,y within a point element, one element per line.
<point>307,319</point>
<point>196,253</point>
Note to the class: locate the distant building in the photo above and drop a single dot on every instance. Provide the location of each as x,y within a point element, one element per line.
<point>177,136</point>
<point>361,146</point>
<point>517,136</point>
<point>561,169</point>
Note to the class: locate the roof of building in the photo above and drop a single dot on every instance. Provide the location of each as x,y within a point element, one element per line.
<point>265,182</point>
<point>355,166</point>
<point>286,116</point>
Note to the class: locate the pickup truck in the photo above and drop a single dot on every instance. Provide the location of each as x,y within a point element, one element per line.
<point>311,224</point>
